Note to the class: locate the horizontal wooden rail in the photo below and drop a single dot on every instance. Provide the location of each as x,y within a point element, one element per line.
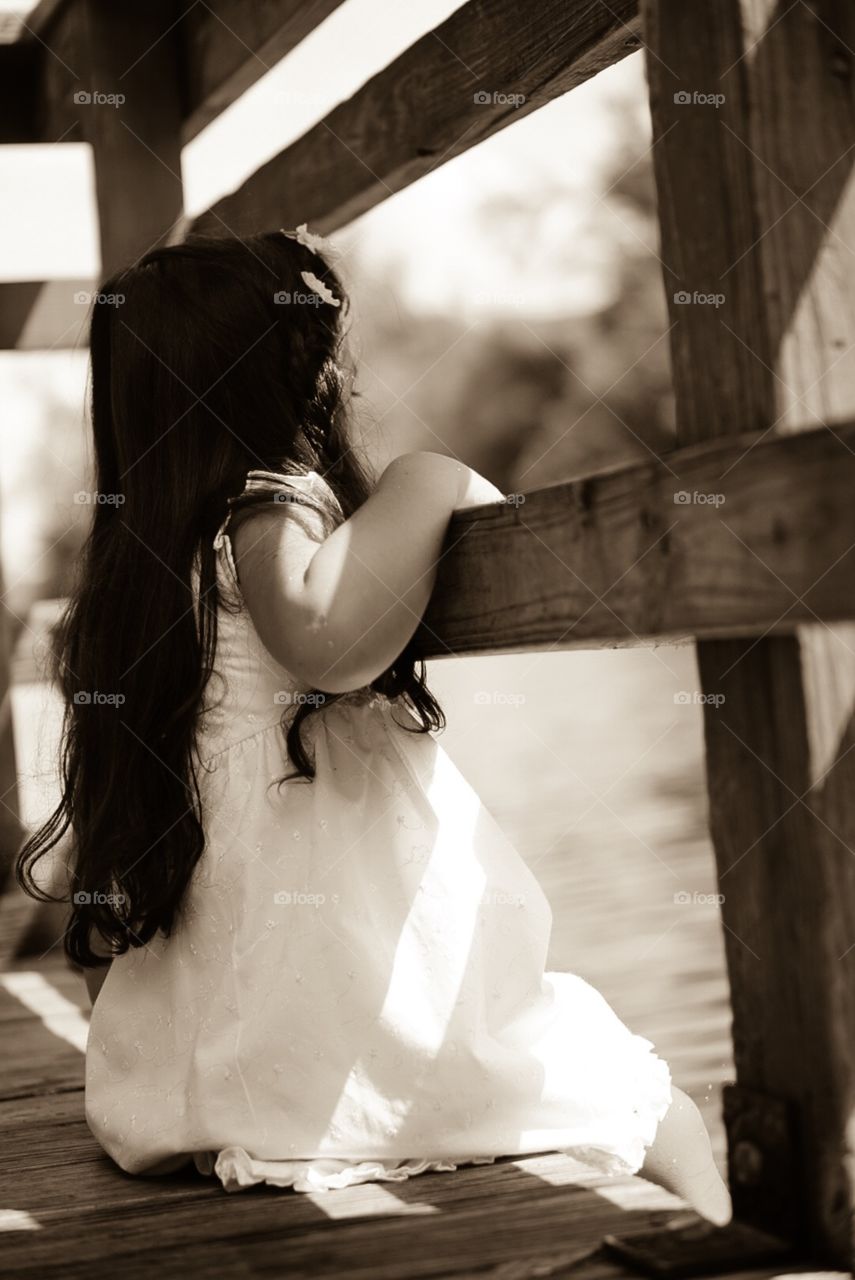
<point>743,536</point>
<point>491,63</point>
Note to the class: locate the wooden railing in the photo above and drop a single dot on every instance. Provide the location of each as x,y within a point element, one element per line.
<point>753,137</point>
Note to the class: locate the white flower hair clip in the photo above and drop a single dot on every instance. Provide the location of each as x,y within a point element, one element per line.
<point>303,235</point>
<point>309,278</point>
<point>317,244</point>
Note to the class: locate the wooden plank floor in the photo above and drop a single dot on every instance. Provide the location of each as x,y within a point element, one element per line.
<point>66,1210</point>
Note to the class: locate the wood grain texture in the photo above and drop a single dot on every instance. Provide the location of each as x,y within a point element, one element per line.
<point>756,203</point>
<point>614,559</point>
<point>89,1219</point>
<point>424,108</point>
<point>225,47</point>
<point>77,1214</point>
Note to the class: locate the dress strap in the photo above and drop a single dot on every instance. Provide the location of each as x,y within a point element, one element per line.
<point>255,480</point>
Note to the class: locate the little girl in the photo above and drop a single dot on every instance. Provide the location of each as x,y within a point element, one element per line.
<point>322,960</point>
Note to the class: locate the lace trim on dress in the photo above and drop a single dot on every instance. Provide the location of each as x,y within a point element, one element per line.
<point>237,1170</point>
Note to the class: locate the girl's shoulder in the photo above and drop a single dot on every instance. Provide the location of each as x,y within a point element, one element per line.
<point>268,496</point>
<point>286,491</point>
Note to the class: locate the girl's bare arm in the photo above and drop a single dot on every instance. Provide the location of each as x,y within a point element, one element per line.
<point>336,615</point>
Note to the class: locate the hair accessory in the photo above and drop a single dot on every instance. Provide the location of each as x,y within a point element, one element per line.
<point>320,288</point>
<point>303,235</point>
<point>317,244</point>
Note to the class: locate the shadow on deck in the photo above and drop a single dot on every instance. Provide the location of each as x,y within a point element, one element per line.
<point>65,1209</point>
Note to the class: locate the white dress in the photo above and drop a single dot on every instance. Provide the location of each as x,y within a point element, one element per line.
<point>356,989</point>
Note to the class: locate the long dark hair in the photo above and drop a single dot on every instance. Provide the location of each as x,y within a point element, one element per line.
<point>208,359</point>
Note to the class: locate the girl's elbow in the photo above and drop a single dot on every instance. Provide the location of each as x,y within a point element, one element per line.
<point>343,668</point>
<point>330,659</point>
<point>345,677</point>
<point>327,666</point>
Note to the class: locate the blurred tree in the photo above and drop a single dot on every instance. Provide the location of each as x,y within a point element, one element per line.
<point>531,399</point>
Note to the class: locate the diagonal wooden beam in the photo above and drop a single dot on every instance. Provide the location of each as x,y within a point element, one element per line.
<point>226,46</point>
<point>491,63</point>
<point>229,44</point>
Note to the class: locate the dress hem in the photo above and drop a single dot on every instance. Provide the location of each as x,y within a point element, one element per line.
<point>238,1170</point>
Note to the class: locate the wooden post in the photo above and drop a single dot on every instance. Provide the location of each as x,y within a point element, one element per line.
<point>129,69</point>
<point>753,127</point>
<point>11,832</point>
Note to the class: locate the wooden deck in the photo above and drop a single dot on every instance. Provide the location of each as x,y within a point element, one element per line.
<point>66,1210</point>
